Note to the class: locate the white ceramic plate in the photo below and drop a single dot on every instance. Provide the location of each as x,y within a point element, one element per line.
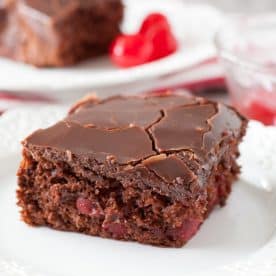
<point>239,239</point>
<point>231,234</point>
<point>194,26</point>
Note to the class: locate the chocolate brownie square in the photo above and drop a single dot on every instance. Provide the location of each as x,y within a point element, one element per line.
<point>59,33</point>
<point>3,14</point>
<point>146,169</point>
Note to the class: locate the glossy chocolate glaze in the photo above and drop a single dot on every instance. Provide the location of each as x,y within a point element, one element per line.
<point>169,168</point>
<point>99,143</point>
<point>133,129</point>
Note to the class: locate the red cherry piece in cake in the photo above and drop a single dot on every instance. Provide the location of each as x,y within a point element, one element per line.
<point>186,231</point>
<point>117,229</point>
<point>84,206</point>
<point>131,50</point>
<point>154,21</point>
<point>89,208</point>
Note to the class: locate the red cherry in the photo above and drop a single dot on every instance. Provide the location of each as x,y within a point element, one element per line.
<point>152,21</point>
<point>156,28</point>
<point>164,43</point>
<point>130,50</point>
<point>84,206</point>
<point>186,231</point>
<point>117,229</point>
<point>87,207</point>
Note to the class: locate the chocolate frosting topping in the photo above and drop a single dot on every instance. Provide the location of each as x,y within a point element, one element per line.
<point>126,145</point>
<point>183,127</point>
<point>133,129</point>
<point>169,168</point>
<point>117,113</point>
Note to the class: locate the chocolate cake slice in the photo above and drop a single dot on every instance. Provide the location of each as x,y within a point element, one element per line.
<point>3,13</point>
<point>147,169</point>
<point>58,32</point>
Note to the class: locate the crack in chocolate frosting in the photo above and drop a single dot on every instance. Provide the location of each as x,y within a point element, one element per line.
<point>183,127</point>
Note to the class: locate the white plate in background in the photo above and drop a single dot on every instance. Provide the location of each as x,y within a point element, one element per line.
<point>194,25</point>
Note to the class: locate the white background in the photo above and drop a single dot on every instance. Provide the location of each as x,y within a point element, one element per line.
<point>241,5</point>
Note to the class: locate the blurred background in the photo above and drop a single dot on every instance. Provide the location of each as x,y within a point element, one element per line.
<point>247,6</point>
<point>224,71</point>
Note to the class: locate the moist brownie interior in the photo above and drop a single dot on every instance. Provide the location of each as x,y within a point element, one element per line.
<point>147,169</point>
